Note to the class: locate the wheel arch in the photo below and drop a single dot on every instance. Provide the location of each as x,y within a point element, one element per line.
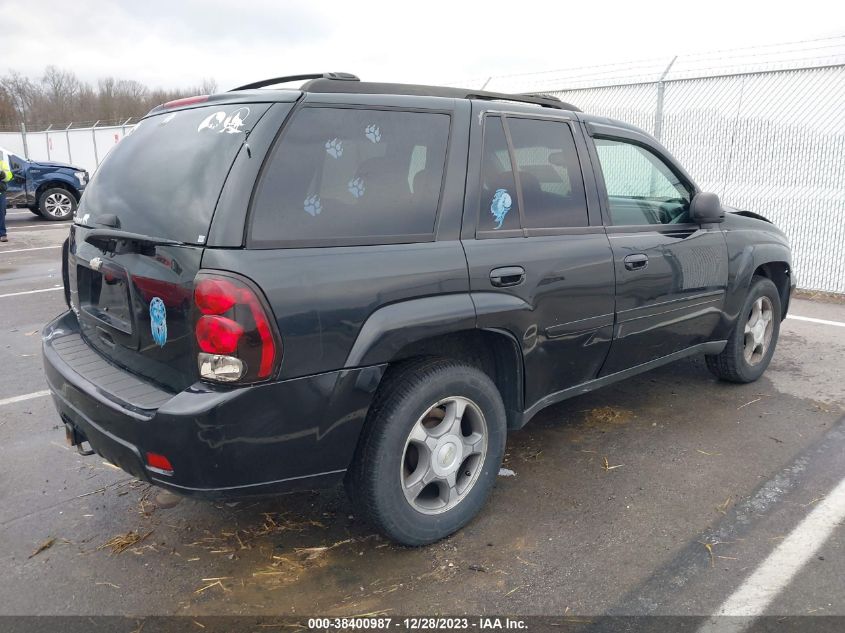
<point>780,273</point>
<point>56,184</point>
<point>771,259</point>
<point>443,327</point>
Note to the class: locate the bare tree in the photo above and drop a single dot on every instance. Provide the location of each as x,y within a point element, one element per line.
<point>59,98</point>
<point>22,92</point>
<point>61,90</point>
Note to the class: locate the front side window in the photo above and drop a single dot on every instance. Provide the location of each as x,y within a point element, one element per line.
<point>549,174</point>
<point>641,189</point>
<point>347,174</point>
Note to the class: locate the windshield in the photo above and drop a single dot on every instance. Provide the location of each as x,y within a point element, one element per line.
<point>163,179</point>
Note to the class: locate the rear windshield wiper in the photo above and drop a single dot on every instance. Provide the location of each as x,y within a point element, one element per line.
<point>108,239</point>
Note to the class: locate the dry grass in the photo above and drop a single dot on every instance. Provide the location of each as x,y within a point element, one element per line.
<point>606,465</point>
<point>44,546</point>
<point>818,295</point>
<point>607,416</point>
<point>122,542</point>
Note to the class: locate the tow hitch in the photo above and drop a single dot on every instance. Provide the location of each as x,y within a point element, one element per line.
<point>75,438</point>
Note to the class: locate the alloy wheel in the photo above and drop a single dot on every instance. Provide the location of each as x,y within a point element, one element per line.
<point>58,205</point>
<point>758,330</point>
<point>444,455</point>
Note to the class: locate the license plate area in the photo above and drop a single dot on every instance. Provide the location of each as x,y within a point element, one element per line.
<point>104,296</point>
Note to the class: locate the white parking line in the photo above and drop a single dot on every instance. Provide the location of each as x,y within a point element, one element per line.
<point>19,228</point>
<point>30,292</point>
<point>23,250</point>
<point>777,571</point>
<point>28,396</point>
<point>812,320</point>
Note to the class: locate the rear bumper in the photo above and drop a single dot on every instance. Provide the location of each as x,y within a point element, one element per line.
<point>261,439</point>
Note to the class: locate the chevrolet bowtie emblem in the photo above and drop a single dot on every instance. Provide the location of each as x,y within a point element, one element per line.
<point>96,263</point>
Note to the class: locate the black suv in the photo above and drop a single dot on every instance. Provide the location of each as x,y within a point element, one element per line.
<point>371,283</point>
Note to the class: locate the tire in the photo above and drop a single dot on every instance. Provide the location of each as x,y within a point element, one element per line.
<point>34,210</point>
<point>57,204</point>
<point>411,436</point>
<point>754,338</point>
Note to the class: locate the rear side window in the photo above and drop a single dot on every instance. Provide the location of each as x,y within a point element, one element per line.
<point>549,174</point>
<point>499,206</point>
<point>349,175</point>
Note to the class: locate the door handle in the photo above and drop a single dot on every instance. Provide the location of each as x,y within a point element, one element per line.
<point>507,276</point>
<point>637,261</point>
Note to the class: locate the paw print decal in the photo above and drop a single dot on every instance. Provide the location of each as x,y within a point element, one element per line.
<point>313,206</point>
<point>334,147</point>
<point>373,133</point>
<point>356,187</point>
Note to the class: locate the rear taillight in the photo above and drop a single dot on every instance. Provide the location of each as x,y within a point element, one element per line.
<point>233,330</point>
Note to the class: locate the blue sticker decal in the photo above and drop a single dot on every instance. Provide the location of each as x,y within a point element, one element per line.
<point>373,133</point>
<point>313,206</point>
<point>500,206</point>
<point>334,147</point>
<point>158,321</point>
<point>356,187</point>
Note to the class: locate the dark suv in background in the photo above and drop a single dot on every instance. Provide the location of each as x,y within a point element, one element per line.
<point>371,283</point>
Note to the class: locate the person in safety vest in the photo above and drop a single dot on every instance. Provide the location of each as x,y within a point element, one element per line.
<point>5,176</point>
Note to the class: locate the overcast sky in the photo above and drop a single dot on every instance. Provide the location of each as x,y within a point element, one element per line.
<point>173,43</point>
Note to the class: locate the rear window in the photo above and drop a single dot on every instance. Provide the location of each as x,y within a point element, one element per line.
<point>345,175</point>
<point>163,179</point>
<point>549,174</point>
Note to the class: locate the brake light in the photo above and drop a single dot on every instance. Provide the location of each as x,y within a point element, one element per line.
<point>185,101</point>
<point>218,335</point>
<point>233,331</point>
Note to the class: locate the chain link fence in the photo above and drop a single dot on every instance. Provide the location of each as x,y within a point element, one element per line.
<point>84,147</point>
<point>772,143</point>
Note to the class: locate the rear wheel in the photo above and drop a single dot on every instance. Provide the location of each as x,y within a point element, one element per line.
<point>752,343</point>
<point>57,204</point>
<point>430,452</point>
<point>34,210</point>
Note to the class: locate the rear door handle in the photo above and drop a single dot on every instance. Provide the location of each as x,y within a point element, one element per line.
<point>637,261</point>
<point>507,276</point>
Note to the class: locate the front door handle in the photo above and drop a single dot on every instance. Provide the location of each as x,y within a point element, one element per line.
<point>637,261</point>
<point>507,276</point>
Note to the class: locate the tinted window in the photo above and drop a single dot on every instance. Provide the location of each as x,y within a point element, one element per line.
<point>641,188</point>
<point>499,207</point>
<point>164,178</point>
<point>341,173</point>
<point>549,174</point>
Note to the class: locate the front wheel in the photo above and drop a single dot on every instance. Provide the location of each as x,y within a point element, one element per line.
<point>430,451</point>
<point>57,204</point>
<point>752,343</point>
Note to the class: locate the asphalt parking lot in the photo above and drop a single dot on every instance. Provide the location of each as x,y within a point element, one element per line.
<point>659,495</point>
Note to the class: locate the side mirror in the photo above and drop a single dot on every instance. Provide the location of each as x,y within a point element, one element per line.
<point>706,208</point>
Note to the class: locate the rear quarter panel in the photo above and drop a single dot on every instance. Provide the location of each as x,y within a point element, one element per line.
<point>321,297</point>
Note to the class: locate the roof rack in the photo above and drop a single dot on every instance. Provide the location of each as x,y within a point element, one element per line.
<point>283,80</point>
<point>329,84</point>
